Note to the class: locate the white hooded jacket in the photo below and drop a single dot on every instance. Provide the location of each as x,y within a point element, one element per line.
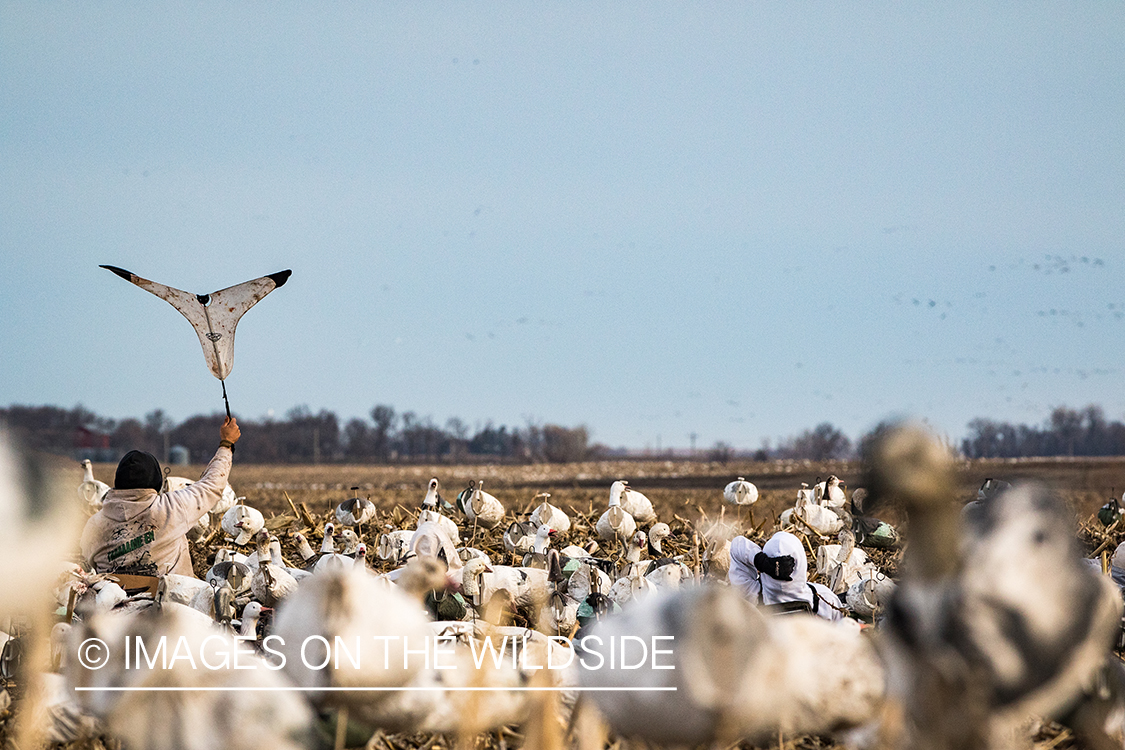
<point>143,532</point>
<point>761,586</point>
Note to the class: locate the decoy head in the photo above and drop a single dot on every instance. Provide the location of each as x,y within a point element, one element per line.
<point>908,466</point>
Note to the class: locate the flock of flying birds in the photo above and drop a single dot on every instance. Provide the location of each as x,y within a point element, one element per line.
<point>995,621</point>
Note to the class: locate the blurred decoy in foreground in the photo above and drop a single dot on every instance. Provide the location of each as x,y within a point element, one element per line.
<point>992,626</point>
<point>736,673</point>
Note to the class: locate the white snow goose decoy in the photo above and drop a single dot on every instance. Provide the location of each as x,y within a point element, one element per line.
<point>633,502</point>
<point>616,522</point>
<point>394,545</point>
<point>537,557</point>
<point>431,511</point>
<point>741,493</point>
<point>481,508</point>
<point>329,559</point>
<point>271,582</point>
<point>91,491</point>
<point>242,522</point>
<point>545,513</point>
<point>656,536</point>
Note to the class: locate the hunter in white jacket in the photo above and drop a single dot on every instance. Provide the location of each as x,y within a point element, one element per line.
<point>143,531</point>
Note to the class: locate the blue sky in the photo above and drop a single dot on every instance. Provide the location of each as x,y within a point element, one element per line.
<point>730,219</point>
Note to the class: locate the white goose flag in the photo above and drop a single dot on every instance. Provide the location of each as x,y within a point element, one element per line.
<point>215,315</point>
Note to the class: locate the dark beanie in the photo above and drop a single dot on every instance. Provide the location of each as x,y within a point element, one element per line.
<point>138,470</point>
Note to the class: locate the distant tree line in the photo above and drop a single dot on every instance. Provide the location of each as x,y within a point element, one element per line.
<point>301,437</point>
<point>1067,432</point>
<point>387,436</point>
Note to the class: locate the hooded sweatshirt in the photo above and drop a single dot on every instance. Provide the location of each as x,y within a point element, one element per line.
<point>142,531</point>
<point>793,583</point>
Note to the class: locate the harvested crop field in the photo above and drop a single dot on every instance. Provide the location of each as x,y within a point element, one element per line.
<point>686,495</point>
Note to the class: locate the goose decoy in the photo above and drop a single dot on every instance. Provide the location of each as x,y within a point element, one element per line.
<point>236,574</point>
<point>271,582</point>
<point>481,508</point>
<point>807,516</point>
<point>524,588</point>
<point>974,510</point>
<point>242,522</point>
<point>656,536</point>
<point>868,597</point>
<point>217,601</point>
<point>355,512</point>
<point>431,511</point>
<point>741,493</point>
<point>559,615</point>
<point>91,491</point>
<point>829,493</point>
<point>345,607</point>
<point>633,586</point>
<point>871,532</point>
<point>633,502</point>
<point>537,557</point>
<point>732,672</point>
<point>328,559</point>
<point>394,546</point>
<point>182,589</point>
<point>519,537</point>
<point>992,623</point>
<point>242,708</point>
<point>668,573</point>
<point>348,542</point>
<point>843,564</point>
<point>248,623</point>
<point>431,540</point>
<point>304,549</point>
<point>545,513</point>
<point>1109,513</point>
<point>637,544</point>
<point>616,522</point>
<point>39,521</point>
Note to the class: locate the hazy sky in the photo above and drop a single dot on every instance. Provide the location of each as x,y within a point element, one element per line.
<point>736,219</point>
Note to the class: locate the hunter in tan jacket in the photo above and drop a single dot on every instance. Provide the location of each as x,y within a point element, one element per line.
<point>143,531</point>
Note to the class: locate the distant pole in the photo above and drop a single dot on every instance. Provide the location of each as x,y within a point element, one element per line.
<point>693,436</point>
<point>316,445</point>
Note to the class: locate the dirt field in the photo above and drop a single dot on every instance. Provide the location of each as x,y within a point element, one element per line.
<point>687,495</point>
<point>688,489</point>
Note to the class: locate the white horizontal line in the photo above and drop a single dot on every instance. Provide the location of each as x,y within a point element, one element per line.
<point>275,689</point>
